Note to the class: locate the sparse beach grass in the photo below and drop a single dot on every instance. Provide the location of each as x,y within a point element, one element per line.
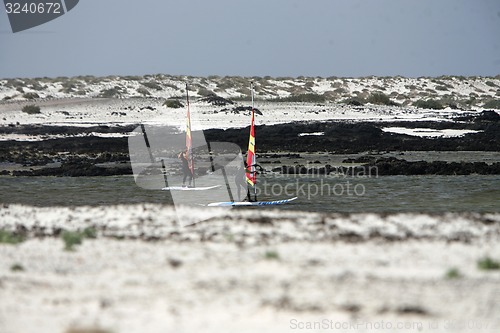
<point>488,264</point>
<point>453,273</point>
<point>272,255</point>
<point>73,238</point>
<point>8,237</point>
<point>17,267</point>
<point>31,109</point>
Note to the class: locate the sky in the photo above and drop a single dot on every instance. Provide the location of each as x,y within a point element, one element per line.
<point>279,38</point>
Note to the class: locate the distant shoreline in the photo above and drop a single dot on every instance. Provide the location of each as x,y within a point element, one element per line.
<point>103,150</point>
<point>453,91</point>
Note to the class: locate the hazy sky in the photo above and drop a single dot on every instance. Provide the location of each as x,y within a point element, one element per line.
<point>260,37</point>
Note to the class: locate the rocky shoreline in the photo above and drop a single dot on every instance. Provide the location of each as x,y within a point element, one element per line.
<point>80,152</point>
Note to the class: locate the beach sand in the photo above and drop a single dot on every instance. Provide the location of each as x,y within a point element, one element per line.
<point>247,271</point>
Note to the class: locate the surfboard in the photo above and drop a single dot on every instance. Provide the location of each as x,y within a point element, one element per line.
<point>250,203</point>
<point>183,188</point>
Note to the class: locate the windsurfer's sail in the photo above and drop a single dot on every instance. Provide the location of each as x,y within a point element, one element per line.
<point>187,159</point>
<point>252,173</point>
<point>189,139</point>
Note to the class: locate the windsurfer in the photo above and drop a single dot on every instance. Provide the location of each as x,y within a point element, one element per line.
<point>183,156</point>
<point>240,180</point>
<point>241,177</point>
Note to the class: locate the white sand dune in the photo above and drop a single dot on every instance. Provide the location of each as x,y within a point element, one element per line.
<point>168,86</point>
<point>78,101</point>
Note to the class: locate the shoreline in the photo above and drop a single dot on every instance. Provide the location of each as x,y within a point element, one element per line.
<point>103,150</point>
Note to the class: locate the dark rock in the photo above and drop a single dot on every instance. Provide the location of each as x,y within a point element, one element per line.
<point>488,115</point>
<point>239,109</point>
<point>216,100</point>
<point>360,137</point>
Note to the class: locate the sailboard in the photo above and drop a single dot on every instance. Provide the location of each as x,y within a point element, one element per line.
<point>251,174</point>
<point>187,188</point>
<point>251,203</point>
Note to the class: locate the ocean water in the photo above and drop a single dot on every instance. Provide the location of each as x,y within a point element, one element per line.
<point>472,193</point>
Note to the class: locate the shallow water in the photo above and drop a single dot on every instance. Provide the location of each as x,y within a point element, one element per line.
<point>477,193</point>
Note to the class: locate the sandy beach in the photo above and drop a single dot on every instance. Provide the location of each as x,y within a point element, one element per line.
<point>247,271</point>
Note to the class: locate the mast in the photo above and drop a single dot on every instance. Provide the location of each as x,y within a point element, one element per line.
<point>189,139</point>
<point>251,174</point>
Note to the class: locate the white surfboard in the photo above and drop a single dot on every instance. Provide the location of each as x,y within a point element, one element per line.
<point>250,203</point>
<point>184,188</point>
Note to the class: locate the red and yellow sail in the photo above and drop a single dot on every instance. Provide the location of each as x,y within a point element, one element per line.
<point>252,173</point>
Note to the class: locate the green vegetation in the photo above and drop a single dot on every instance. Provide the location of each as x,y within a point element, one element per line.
<point>441,88</point>
<point>169,85</point>
<point>143,91</point>
<point>132,78</point>
<point>488,264</point>
<point>173,103</point>
<point>17,268</point>
<point>70,86</point>
<point>31,95</point>
<point>152,85</point>
<point>271,255</point>
<point>73,238</point>
<point>89,232</point>
<point>354,101</point>
<point>8,237</point>
<point>31,109</point>
<point>14,83</point>
<point>117,91</point>
<point>428,104</point>
<point>492,104</point>
<point>204,92</point>
<point>380,99</point>
<point>453,273</point>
